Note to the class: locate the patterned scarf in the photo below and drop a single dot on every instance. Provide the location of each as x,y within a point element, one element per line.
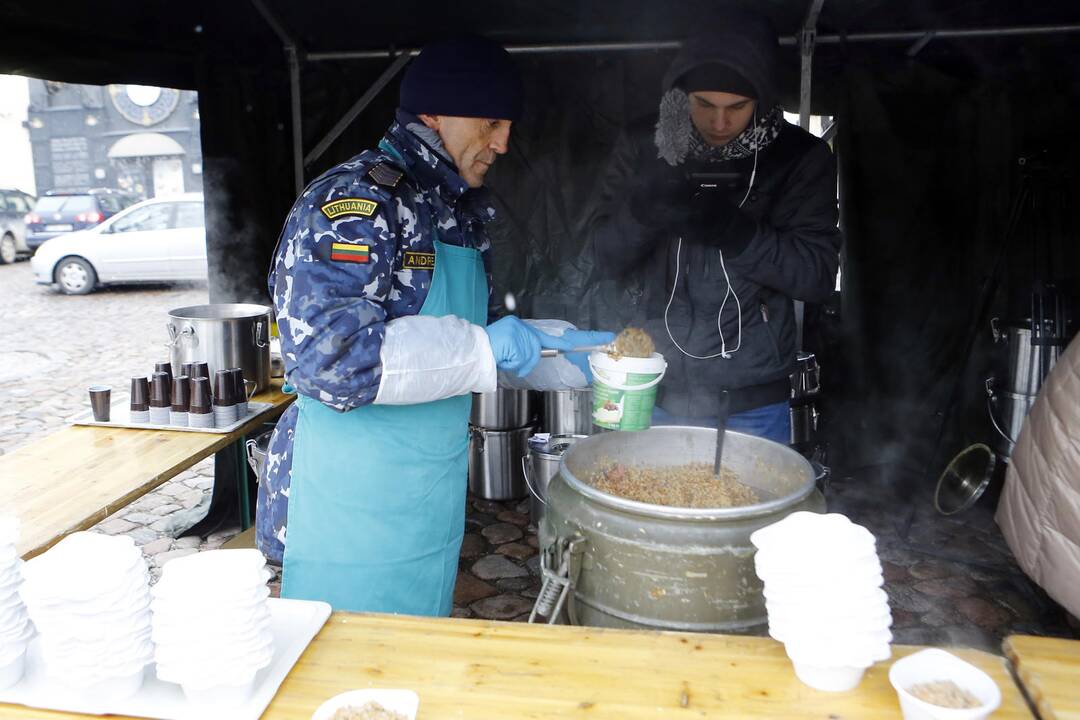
<point>677,139</point>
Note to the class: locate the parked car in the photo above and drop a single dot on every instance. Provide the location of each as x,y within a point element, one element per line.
<point>159,240</point>
<point>63,212</point>
<point>14,205</point>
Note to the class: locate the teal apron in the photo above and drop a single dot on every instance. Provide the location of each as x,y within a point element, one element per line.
<point>377,499</point>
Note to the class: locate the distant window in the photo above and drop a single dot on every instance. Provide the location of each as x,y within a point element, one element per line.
<point>16,204</point>
<point>66,204</point>
<point>189,215</point>
<point>151,217</point>
<point>109,204</point>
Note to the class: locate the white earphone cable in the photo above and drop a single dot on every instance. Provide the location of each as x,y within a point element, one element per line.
<point>724,352</point>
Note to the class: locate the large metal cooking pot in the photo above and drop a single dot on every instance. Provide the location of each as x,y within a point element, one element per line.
<point>638,565</point>
<point>568,412</point>
<point>1026,361</point>
<point>504,409</point>
<point>224,336</point>
<point>495,462</point>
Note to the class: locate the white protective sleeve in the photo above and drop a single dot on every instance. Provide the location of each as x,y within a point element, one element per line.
<point>426,358</point>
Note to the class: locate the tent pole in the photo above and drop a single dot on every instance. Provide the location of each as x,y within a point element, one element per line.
<point>806,50</point>
<point>358,107</point>
<point>293,54</point>
<point>791,40</point>
<point>806,53</point>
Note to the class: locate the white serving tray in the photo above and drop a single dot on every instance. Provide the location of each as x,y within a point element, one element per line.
<point>120,416</point>
<point>293,622</point>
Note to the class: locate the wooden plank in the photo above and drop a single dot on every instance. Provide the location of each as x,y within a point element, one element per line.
<point>1049,671</point>
<point>512,671</point>
<point>80,475</point>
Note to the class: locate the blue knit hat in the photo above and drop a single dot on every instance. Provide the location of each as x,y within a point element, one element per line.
<point>467,76</point>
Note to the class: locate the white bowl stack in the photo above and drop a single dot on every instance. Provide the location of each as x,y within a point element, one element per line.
<point>90,600</point>
<point>212,625</point>
<point>16,630</point>
<point>824,596</point>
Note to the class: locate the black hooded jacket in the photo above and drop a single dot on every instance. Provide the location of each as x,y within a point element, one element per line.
<point>793,253</point>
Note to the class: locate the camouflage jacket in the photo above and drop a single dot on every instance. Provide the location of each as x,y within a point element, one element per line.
<point>356,252</point>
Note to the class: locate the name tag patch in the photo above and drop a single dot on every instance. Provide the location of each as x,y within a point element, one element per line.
<point>349,206</point>
<point>350,253</point>
<point>418,261</point>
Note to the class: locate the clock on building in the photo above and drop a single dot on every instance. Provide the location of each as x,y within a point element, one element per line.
<point>142,104</point>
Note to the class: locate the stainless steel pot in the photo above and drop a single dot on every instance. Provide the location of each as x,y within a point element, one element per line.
<point>1026,371</point>
<point>632,564</point>
<point>568,412</point>
<point>495,462</point>
<point>224,336</point>
<point>542,463</point>
<point>504,409</point>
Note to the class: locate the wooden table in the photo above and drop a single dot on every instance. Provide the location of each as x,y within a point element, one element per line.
<point>1049,672</point>
<point>483,670</point>
<point>80,475</point>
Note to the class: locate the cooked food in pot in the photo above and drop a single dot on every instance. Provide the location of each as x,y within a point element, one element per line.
<point>687,486</point>
<point>944,693</point>
<point>369,711</point>
<point>633,342</point>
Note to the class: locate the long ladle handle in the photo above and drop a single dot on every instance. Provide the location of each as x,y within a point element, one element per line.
<point>723,412</point>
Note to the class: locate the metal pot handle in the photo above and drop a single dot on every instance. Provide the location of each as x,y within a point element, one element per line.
<point>250,446</point>
<point>478,436</point>
<point>990,398</point>
<point>176,336</point>
<point>258,335</point>
<point>528,482</point>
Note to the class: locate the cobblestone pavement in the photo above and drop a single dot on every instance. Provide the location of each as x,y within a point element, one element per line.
<point>949,580</point>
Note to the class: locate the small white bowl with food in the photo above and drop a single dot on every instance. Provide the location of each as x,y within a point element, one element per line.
<point>374,704</point>
<point>935,685</point>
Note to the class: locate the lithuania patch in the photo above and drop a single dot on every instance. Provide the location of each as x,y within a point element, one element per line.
<point>349,252</point>
<point>418,261</point>
<point>349,206</point>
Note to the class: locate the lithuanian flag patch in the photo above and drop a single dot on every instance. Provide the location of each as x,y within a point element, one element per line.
<point>348,252</point>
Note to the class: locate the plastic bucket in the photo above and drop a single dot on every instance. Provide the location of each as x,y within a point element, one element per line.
<point>624,390</point>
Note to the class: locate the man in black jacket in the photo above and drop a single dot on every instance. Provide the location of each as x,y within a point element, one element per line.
<point>726,214</point>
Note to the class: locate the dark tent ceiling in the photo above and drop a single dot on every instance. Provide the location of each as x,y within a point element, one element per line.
<point>165,43</point>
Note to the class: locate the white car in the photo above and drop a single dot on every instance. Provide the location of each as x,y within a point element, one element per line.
<point>158,240</point>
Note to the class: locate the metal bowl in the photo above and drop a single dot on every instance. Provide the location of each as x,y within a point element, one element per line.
<point>965,479</point>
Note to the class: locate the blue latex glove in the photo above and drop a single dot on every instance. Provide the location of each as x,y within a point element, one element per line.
<point>583,338</point>
<point>516,345</point>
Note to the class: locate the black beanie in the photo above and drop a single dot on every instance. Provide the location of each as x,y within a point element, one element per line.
<point>467,76</point>
<point>716,77</point>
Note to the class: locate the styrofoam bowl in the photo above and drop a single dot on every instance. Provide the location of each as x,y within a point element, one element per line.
<point>219,696</point>
<point>932,665</point>
<point>405,702</point>
<point>861,581</point>
<point>851,654</point>
<point>170,616</point>
<point>829,679</point>
<point>808,530</point>
<point>11,670</point>
<point>790,568</point>
<point>105,688</point>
